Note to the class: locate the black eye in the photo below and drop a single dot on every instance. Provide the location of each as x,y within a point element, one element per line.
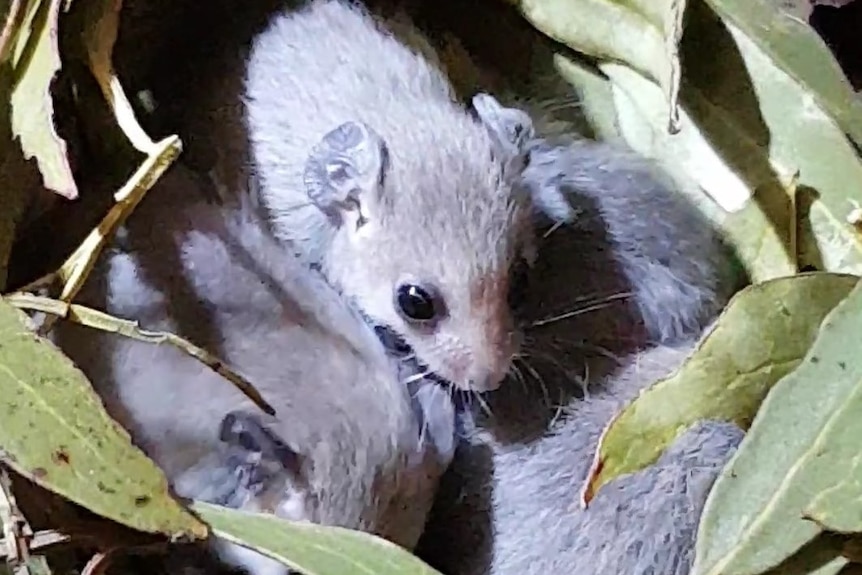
<point>417,303</point>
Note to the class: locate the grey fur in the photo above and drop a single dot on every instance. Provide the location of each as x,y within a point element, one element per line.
<point>213,274</point>
<point>523,517</point>
<point>677,264</point>
<point>297,90</point>
<point>624,268</point>
<point>449,186</point>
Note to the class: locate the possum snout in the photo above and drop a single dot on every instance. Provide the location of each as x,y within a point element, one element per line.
<point>486,365</point>
<point>483,379</point>
<point>476,371</point>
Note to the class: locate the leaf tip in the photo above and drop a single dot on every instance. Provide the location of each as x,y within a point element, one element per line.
<point>596,477</point>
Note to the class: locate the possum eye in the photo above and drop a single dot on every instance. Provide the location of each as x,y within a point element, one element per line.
<point>417,303</point>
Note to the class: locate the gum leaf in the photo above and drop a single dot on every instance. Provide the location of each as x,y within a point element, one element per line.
<point>642,34</point>
<point>727,376</point>
<point>310,548</point>
<point>35,62</point>
<point>55,431</point>
<point>754,138</point>
<point>799,461</point>
<point>796,48</point>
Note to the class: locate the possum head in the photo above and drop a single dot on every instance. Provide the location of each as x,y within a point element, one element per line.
<point>428,235</point>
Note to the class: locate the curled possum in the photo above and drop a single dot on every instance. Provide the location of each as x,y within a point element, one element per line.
<point>367,447</point>
<point>628,276</point>
<point>348,132</point>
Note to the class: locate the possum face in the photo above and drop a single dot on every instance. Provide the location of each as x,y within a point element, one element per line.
<point>439,272</point>
<point>430,235</point>
<point>451,308</point>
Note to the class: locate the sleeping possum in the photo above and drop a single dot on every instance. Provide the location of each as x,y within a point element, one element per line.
<point>362,447</point>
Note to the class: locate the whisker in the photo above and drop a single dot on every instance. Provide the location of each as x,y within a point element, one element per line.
<point>516,373</point>
<point>539,379</point>
<point>557,415</point>
<point>530,369</point>
<point>565,370</point>
<point>553,359</point>
<point>483,405</point>
<point>599,297</point>
<point>414,377</point>
<point>584,382</point>
<point>558,104</point>
<point>580,311</point>
<point>552,229</point>
<point>600,350</point>
<point>570,314</point>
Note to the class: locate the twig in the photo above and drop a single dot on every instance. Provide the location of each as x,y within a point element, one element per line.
<point>99,39</point>
<point>98,563</point>
<point>41,540</point>
<point>10,29</point>
<point>124,113</point>
<point>74,271</point>
<point>45,282</point>
<point>102,321</point>
<point>11,520</point>
<point>17,533</point>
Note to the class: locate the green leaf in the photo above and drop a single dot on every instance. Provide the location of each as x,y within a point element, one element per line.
<point>760,231</point>
<point>55,431</point>
<point>36,60</point>
<point>310,548</point>
<point>839,507</point>
<point>752,135</point>
<point>728,375</point>
<point>595,96</point>
<point>801,456</point>
<point>643,34</point>
<point>798,50</point>
<point>794,134</point>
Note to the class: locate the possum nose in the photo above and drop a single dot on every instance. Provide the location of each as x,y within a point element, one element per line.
<point>485,380</point>
<point>490,364</point>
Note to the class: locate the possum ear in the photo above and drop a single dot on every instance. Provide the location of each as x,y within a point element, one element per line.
<point>345,170</point>
<point>511,128</point>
